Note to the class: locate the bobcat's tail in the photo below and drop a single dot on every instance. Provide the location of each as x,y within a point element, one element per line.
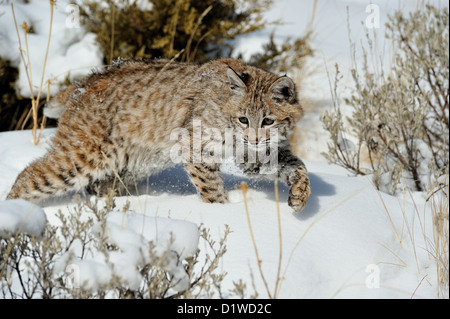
<point>56,106</point>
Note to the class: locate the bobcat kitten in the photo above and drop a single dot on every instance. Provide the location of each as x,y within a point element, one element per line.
<point>119,121</point>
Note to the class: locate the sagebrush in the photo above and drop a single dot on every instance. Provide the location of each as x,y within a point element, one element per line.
<point>399,128</point>
<point>198,29</point>
<point>32,267</point>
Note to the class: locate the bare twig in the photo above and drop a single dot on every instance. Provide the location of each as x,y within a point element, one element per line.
<point>28,71</point>
<point>244,189</point>
<point>278,282</point>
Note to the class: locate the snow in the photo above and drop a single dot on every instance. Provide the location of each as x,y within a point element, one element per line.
<point>351,241</point>
<point>343,243</point>
<point>133,234</point>
<point>72,53</point>
<point>20,216</point>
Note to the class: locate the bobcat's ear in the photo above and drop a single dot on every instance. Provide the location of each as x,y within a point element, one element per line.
<point>283,89</point>
<point>236,80</point>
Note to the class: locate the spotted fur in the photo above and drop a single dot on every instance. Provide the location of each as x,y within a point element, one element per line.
<point>120,120</point>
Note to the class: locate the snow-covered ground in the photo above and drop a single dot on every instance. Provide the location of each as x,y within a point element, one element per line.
<point>345,244</point>
<point>342,245</point>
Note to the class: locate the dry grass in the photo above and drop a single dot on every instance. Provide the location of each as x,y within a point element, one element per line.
<point>439,204</point>
<point>244,189</point>
<point>436,244</point>
<point>279,279</point>
<point>26,61</point>
<point>281,275</point>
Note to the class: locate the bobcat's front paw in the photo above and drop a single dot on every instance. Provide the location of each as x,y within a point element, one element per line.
<point>299,193</point>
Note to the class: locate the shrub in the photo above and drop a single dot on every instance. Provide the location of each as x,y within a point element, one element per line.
<point>200,28</point>
<point>46,267</point>
<point>286,57</point>
<point>400,120</point>
<point>8,99</point>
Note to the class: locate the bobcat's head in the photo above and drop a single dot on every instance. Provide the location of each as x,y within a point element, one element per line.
<point>261,102</point>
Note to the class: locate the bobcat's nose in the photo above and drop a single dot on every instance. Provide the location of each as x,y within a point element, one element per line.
<point>254,142</point>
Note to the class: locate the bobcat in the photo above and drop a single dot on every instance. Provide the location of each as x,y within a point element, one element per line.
<point>119,121</point>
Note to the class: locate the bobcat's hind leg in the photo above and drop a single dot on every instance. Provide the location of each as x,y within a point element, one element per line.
<point>52,175</point>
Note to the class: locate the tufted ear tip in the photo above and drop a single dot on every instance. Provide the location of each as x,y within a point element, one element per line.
<point>283,89</point>
<point>236,80</point>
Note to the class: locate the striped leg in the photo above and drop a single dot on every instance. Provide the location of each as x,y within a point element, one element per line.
<point>208,182</point>
<point>52,175</point>
<point>293,172</point>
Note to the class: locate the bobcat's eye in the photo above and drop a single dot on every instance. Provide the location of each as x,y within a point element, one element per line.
<point>267,121</point>
<point>243,120</point>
